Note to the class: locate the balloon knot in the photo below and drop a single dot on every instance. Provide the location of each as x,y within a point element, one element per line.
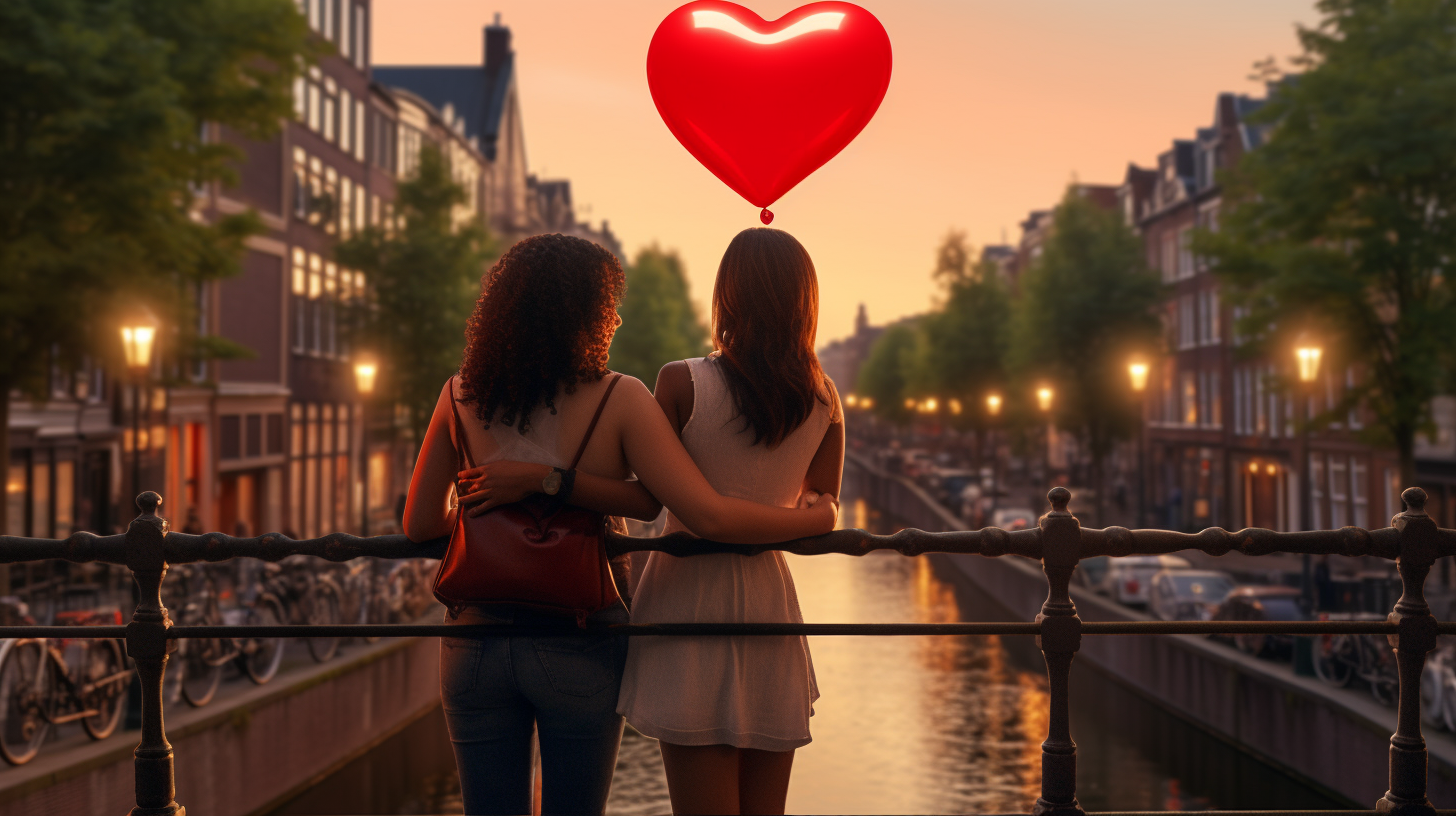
<point>766,217</point>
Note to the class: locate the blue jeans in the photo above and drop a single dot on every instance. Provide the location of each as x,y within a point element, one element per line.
<point>495,690</point>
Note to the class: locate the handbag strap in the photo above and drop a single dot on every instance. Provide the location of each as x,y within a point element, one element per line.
<point>463,443</point>
<point>593,426</point>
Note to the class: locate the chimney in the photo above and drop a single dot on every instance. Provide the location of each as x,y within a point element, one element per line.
<point>497,45</point>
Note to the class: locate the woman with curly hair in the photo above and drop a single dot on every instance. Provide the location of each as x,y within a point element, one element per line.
<point>764,423</point>
<point>533,375</point>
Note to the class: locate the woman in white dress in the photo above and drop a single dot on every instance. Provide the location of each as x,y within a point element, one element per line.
<point>763,423</point>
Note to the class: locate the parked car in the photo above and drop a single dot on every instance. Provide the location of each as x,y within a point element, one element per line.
<point>1013,518</point>
<point>1262,603</point>
<point>1188,594</point>
<point>1128,576</point>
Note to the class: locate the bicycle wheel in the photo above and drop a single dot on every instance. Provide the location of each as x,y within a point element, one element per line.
<point>103,659</point>
<point>25,682</point>
<point>1330,663</point>
<point>1254,645</point>
<point>201,677</point>
<point>1432,689</point>
<point>262,656</point>
<point>322,609</point>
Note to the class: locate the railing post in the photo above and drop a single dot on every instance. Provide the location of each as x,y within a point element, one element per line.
<point>147,644</point>
<point>1416,637</point>
<point>1060,638</point>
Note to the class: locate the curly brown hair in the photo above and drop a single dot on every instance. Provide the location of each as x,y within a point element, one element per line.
<point>544,322</point>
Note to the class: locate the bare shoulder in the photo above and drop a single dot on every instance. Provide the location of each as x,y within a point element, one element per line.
<point>674,393</point>
<point>836,409</point>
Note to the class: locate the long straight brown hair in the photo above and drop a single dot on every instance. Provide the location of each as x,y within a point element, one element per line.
<point>765,316</point>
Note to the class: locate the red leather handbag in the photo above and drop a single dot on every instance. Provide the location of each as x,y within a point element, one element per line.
<point>535,553</point>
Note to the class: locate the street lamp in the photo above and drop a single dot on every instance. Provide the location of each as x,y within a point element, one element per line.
<point>1137,373</point>
<point>137,342</point>
<point>364,376</point>
<point>1307,356</point>
<point>1044,402</point>
<point>993,409</point>
<point>851,400</point>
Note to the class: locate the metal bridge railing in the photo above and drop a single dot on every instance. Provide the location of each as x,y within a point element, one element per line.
<point>1059,541</point>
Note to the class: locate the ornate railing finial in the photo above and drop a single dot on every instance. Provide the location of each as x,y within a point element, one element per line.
<point>1059,497</point>
<point>148,502</point>
<point>1415,500</point>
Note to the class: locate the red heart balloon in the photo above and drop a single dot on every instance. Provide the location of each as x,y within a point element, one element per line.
<point>762,105</point>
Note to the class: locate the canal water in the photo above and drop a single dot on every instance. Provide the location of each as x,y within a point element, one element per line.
<point>905,724</point>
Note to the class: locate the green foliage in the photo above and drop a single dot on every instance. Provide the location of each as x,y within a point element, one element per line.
<point>1087,305</point>
<point>1344,224</point>
<point>885,376</point>
<point>101,105</point>
<point>965,341</point>
<point>659,323</point>
<point>423,279</point>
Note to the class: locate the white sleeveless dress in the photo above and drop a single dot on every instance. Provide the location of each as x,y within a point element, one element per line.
<point>749,692</point>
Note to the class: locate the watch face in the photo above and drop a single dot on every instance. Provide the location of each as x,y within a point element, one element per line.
<point>552,483</point>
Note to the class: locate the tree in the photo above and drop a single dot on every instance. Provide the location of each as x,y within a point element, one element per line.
<point>101,107</point>
<point>966,338</point>
<point>1088,304</point>
<point>659,323</point>
<point>884,375</point>
<point>1344,223</point>
<point>423,277</point>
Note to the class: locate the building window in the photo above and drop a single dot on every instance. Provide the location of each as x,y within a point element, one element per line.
<point>1215,405</point>
<point>1190,399</point>
<point>346,129</point>
<point>1169,264</point>
<point>253,438</point>
<point>331,108</point>
<point>1185,253</point>
<point>359,130</point>
<point>300,99</point>
<point>1187,323</point>
<point>314,108</point>
<point>301,193</point>
<point>275,434</point>
<point>346,29</point>
<point>230,436</point>
<point>1360,492</point>
<point>1339,493</point>
<point>361,36</point>
<point>1316,491</point>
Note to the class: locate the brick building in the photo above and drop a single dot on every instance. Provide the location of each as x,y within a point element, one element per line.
<point>1222,442</point>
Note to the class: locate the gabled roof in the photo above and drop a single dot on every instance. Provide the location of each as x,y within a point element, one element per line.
<point>477,95</point>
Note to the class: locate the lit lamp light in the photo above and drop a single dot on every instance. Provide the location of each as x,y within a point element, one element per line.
<point>364,374</point>
<point>993,404</point>
<point>136,342</point>
<point>1138,373</point>
<point>955,407</point>
<point>1309,360</point>
<point>910,403</point>
<point>1044,398</point>
<point>1253,467</point>
<point>931,405</point>
<point>866,402</point>
<point>851,400</point>
<point>1273,469</point>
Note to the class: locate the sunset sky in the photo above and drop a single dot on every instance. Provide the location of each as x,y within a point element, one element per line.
<point>992,109</point>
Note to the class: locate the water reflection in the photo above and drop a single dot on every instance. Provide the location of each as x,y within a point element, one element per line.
<point>905,724</point>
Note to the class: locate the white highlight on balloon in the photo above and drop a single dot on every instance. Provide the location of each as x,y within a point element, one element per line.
<point>823,21</point>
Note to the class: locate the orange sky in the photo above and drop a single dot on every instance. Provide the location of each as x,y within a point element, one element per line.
<point>993,108</point>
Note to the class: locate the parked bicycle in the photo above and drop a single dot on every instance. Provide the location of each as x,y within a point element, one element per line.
<point>46,682</point>
<point>195,671</point>
<point>1338,658</point>
<point>308,597</point>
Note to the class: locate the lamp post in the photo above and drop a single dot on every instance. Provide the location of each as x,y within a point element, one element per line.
<point>137,341</point>
<point>1137,372</point>
<point>993,410</point>
<point>1307,355</point>
<point>364,375</point>
<point>1044,403</point>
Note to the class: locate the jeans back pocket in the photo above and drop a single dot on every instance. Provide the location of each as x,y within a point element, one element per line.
<point>581,666</point>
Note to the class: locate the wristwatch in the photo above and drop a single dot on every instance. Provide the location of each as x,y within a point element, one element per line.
<point>559,483</point>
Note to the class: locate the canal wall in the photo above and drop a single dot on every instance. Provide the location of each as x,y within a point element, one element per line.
<point>253,747</point>
<point>1334,739</point>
